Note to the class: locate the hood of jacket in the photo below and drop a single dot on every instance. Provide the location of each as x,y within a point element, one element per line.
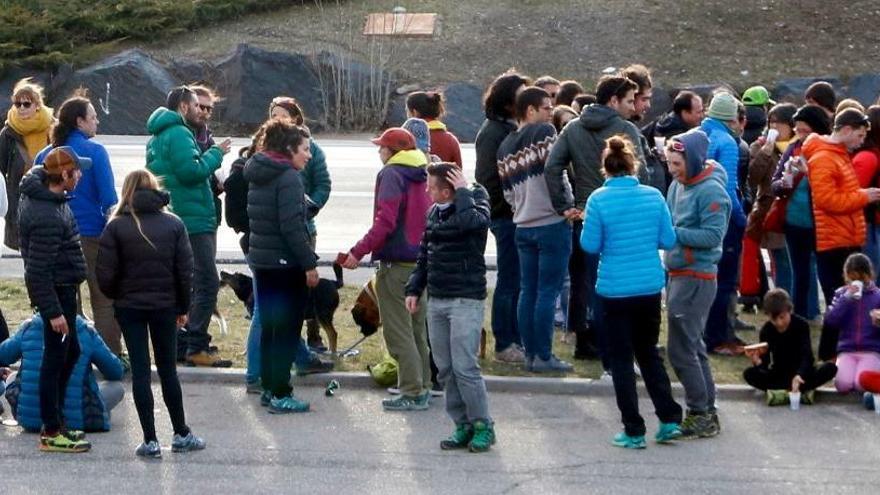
<point>669,125</point>
<point>33,186</point>
<point>262,169</point>
<point>710,125</point>
<point>410,165</point>
<point>816,143</point>
<point>149,200</point>
<point>162,119</point>
<point>696,145</point>
<point>596,117</point>
<point>712,170</point>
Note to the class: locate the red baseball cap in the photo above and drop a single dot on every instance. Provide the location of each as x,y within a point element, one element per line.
<point>397,139</point>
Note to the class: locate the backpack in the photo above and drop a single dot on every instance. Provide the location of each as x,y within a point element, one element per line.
<point>236,188</point>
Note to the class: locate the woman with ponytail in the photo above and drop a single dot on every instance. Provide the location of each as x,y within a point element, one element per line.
<point>626,224</point>
<point>429,106</point>
<point>145,265</point>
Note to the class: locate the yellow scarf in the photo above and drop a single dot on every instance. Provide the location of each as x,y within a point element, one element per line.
<point>782,145</point>
<point>435,125</point>
<point>34,131</point>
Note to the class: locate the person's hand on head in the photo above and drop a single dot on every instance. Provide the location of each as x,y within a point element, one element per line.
<point>456,178</point>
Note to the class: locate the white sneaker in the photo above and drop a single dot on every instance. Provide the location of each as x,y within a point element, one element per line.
<point>393,390</point>
<point>511,355</point>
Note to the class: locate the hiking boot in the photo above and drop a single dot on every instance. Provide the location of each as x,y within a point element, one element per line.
<point>484,437</point>
<point>550,365</point>
<point>777,397</point>
<point>187,443</point>
<point>511,355</point>
<point>406,403</point>
<point>206,359</point>
<point>667,433</point>
<point>315,366</point>
<point>61,443</point>
<point>698,425</point>
<point>149,449</point>
<point>253,387</point>
<point>288,405</point>
<point>808,397</point>
<point>265,398</point>
<point>627,442</point>
<point>460,438</point>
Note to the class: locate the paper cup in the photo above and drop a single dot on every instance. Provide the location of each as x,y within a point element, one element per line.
<point>794,400</point>
<point>660,144</point>
<point>772,135</point>
<point>877,404</point>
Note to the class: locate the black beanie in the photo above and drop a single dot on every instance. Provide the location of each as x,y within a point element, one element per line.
<point>815,117</point>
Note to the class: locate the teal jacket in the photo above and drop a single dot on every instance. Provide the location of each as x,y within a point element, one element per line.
<point>625,224</point>
<point>316,181</point>
<point>173,155</point>
<point>700,210</point>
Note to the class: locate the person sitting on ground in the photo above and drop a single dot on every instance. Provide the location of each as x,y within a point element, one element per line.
<point>451,266</point>
<point>88,404</point>
<point>854,313</point>
<point>786,362</point>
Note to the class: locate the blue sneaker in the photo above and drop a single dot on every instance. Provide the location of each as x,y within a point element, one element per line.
<point>265,398</point>
<point>149,449</point>
<point>287,405</point>
<point>627,442</point>
<point>668,432</point>
<point>186,444</point>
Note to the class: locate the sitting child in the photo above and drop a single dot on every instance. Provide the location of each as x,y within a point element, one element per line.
<point>87,406</point>
<point>786,362</point>
<point>858,346</point>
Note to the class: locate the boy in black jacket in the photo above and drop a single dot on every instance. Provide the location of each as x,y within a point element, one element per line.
<point>785,363</point>
<point>451,265</point>
<point>54,266</point>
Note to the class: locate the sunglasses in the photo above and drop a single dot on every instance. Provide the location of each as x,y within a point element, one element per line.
<point>206,108</point>
<point>22,104</point>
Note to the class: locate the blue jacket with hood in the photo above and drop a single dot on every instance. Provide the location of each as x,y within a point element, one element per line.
<point>724,149</point>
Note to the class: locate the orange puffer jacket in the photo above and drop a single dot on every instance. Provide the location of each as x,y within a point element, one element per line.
<point>838,200</point>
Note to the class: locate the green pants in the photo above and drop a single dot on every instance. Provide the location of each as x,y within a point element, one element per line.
<point>406,335</point>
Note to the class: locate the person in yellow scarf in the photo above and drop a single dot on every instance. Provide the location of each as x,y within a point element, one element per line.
<point>24,134</point>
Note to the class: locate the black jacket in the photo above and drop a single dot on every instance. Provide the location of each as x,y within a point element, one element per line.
<point>789,353</point>
<point>12,166</point>
<point>50,243</point>
<point>138,275</point>
<point>276,209</point>
<point>489,138</point>
<point>450,261</point>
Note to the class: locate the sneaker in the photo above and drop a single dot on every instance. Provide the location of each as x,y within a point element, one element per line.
<point>149,449</point>
<point>187,443</point>
<point>75,435</point>
<point>393,390</point>
<point>777,397</point>
<point>698,425</point>
<point>253,387</point>
<point>460,438</point>
<point>484,437</point>
<point>551,365</point>
<point>265,398</point>
<point>868,401</point>
<point>405,403</point>
<point>437,390</point>
<point>425,398</point>
<point>61,443</point>
<point>206,359</point>
<point>627,442</point>
<point>315,366</point>
<point>808,397</point>
<point>513,354</point>
<point>667,433</point>
<point>287,405</point>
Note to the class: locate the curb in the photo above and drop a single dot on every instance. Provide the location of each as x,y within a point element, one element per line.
<point>503,384</point>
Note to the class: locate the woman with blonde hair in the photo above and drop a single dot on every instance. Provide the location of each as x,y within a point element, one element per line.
<point>145,265</point>
<point>24,134</point>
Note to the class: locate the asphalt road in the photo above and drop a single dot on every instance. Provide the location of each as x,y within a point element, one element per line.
<point>546,444</point>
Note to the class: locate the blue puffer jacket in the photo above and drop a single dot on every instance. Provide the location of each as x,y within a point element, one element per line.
<point>626,223</point>
<point>724,150</point>
<point>83,406</point>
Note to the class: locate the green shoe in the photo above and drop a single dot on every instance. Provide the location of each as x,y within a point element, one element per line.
<point>460,438</point>
<point>808,397</point>
<point>777,397</point>
<point>667,433</point>
<point>75,435</point>
<point>699,425</point>
<point>287,405</point>
<point>61,443</point>
<point>406,403</point>
<point>627,442</point>
<point>484,437</point>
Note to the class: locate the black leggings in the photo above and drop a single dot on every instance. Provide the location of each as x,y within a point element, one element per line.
<point>282,298</point>
<point>59,357</point>
<point>159,326</point>
<point>767,379</point>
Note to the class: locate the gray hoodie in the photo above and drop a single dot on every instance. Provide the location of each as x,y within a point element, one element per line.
<point>700,211</point>
<point>580,144</point>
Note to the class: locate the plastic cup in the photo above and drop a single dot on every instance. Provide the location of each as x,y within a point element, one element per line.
<point>660,144</point>
<point>877,404</point>
<point>860,286</point>
<point>794,400</point>
<point>772,135</point>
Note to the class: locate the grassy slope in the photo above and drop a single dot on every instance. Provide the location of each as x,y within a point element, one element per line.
<point>15,307</point>
<point>684,41</point>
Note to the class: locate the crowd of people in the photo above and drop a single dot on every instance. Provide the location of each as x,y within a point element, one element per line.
<point>594,211</point>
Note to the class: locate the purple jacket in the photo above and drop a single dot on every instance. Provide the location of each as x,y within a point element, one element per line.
<point>400,210</point>
<point>853,319</point>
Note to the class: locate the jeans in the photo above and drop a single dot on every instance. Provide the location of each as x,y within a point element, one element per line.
<point>282,295</point>
<point>506,296</point>
<point>454,329</point>
<point>560,317</point>
<point>59,357</point>
<point>206,284</point>
<point>636,324</point>
<point>543,259</point>
<point>102,306</point>
<point>782,278</point>
<point>140,327</point>
<point>829,265</point>
<point>801,243</point>
<point>687,302</point>
<point>719,329</point>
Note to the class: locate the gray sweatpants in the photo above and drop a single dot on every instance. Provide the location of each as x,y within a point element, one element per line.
<point>688,300</point>
<point>454,328</point>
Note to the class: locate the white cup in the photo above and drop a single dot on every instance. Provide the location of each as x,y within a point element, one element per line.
<point>877,404</point>
<point>660,144</point>
<point>772,136</point>
<point>794,400</point>
<point>860,286</point>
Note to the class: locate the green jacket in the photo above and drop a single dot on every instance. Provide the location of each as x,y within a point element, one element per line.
<point>316,181</point>
<point>174,157</point>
